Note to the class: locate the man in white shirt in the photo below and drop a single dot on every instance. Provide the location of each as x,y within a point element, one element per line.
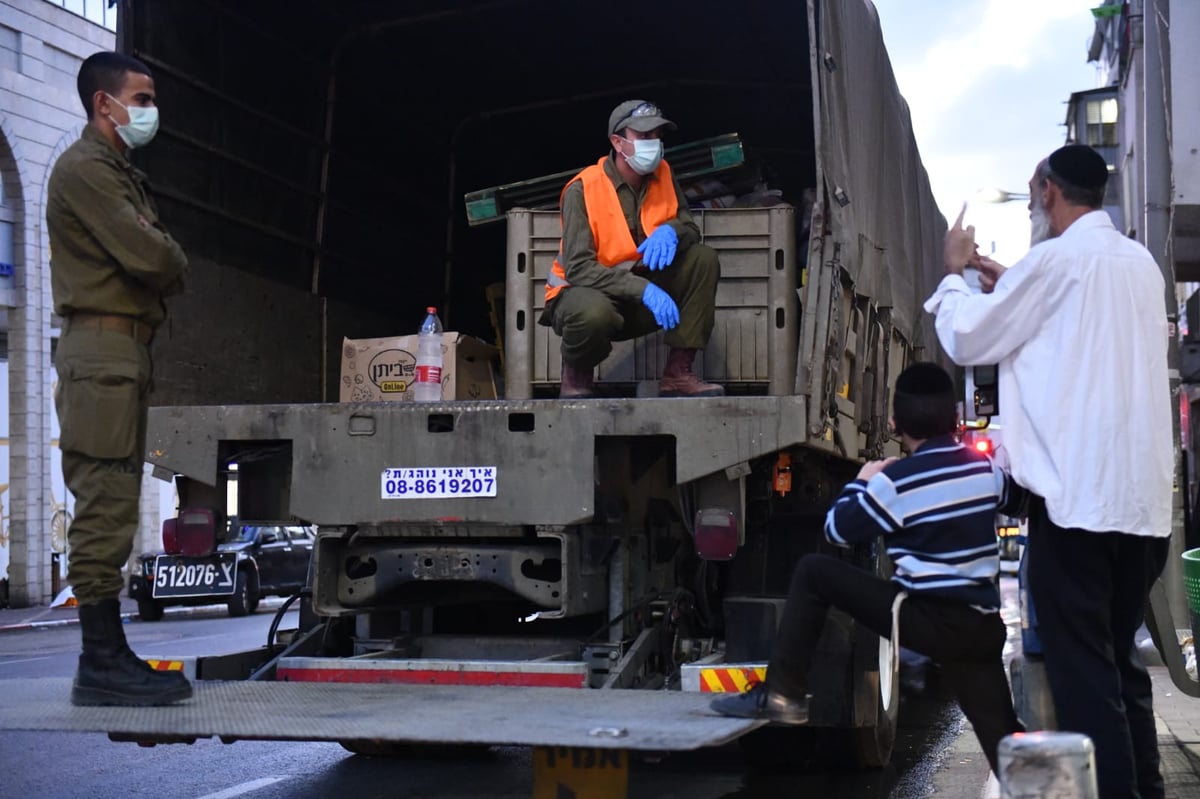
<point>1079,329</point>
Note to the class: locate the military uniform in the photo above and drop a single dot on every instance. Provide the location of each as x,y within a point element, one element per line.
<point>112,263</point>
<point>605,304</point>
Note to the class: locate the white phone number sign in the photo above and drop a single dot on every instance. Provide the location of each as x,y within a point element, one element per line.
<point>438,482</point>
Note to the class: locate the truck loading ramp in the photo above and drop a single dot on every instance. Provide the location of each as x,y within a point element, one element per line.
<point>288,711</point>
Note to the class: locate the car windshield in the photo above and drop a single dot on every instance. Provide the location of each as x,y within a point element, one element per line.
<point>244,534</point>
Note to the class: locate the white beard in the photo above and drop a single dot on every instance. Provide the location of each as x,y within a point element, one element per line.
<point>1039,223</point>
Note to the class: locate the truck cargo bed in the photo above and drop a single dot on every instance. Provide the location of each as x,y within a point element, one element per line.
<point>541,450</point>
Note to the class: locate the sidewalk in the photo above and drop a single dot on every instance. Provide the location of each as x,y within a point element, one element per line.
<point>41,617</point>
<point>1178,736</point>
<point>1178,717</point>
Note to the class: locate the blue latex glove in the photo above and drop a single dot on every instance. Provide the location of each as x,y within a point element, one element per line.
<point>658,250</point>
<point>666,313</point>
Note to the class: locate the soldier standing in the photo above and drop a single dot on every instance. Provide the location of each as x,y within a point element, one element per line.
<point>112,263</point>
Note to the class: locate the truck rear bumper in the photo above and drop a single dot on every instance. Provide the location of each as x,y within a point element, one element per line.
<point>561,574</point>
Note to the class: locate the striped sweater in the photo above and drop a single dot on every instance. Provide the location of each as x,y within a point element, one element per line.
<point>936,511</point>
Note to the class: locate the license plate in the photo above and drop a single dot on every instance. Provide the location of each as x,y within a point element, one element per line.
<point>560,771</point>
<point>176,575</point>
<point>438,482</point>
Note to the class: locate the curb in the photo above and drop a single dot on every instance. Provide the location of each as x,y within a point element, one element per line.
<point>55,623</point>
<point>273,602</point>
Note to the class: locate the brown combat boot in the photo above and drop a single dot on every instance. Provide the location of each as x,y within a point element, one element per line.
<point>576,383</point>
<point>678,380</point>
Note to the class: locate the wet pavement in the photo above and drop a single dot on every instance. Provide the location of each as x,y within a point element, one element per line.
<point>935,752</point>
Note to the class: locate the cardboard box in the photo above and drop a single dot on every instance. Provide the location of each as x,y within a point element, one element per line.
<point>382,369</point>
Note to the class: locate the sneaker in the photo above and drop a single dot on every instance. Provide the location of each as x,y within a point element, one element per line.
<point>762,703</point>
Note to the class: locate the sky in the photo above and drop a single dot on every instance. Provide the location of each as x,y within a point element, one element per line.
<point>987,83</point>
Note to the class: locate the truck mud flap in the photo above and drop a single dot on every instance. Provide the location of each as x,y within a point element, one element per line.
<point>660,721</point>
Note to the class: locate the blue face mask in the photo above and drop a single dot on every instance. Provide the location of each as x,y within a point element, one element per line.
<point>647,154</point>
<point>143,124</point>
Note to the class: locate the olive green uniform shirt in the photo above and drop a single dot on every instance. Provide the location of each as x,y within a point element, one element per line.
<point>109,253</point>
<point>579,248</point>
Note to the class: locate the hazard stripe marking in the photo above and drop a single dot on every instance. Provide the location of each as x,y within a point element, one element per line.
<point>166,665</point>
<point>730,681</point>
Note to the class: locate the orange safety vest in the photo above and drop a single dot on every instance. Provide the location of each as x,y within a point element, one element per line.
<point>614,242</point>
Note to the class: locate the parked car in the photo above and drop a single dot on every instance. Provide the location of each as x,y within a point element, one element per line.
<point>1011,537</point>
<point>257,559</point>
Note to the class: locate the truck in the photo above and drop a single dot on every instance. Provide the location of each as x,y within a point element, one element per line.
<point>631,553</point>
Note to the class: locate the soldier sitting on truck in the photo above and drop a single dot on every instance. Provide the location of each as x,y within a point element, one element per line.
<point>935,511</point>
<point>631,261</point>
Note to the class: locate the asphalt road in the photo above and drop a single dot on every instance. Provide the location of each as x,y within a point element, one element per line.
<point>933,753</point>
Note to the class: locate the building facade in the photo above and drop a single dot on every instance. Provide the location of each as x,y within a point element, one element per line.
<point>1147,57</point>
<point>42,44</point>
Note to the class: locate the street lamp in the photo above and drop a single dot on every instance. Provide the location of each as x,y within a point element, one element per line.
<point>991,194</point>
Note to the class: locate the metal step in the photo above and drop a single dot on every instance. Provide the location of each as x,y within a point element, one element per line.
<point>279,711</point>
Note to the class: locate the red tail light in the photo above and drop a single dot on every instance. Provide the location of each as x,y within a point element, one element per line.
<point>716,534</point>
<point>193,532</point>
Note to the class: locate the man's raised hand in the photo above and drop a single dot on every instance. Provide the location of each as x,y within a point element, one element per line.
<point>959,246</point>
<point>872,468</point>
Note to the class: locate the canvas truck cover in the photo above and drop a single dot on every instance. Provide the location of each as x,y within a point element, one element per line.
<point>881,210</point>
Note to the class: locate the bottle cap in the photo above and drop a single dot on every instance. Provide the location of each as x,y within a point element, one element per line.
<point>431,309</point>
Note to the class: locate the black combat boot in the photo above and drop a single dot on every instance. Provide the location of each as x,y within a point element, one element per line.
<point>110,673</point>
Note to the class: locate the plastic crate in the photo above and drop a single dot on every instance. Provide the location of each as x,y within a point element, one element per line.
<point>754,340</point>
<point>1191,579</point>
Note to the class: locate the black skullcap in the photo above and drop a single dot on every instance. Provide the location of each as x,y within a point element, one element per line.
<point>924,379</point>
<point>1080,166</point>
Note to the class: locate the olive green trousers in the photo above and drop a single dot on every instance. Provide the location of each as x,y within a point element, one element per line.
<point>104,380</point>
<point>589,320</point>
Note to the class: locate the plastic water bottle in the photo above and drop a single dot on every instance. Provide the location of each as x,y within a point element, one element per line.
<point>427,385</point>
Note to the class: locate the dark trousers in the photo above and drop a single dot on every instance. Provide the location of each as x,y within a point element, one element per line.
<point>1089,590</point>
<point>966,644</point>
<point>589,320</point>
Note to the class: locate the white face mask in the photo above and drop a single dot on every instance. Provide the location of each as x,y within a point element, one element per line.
<point>1039,222</point>
<point>143,124</point>
<point>647,154</point>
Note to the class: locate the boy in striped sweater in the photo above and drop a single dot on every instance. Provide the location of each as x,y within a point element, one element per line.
<point>935,512</point>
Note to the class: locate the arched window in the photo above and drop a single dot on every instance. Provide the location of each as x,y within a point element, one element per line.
<point>8,223</point>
